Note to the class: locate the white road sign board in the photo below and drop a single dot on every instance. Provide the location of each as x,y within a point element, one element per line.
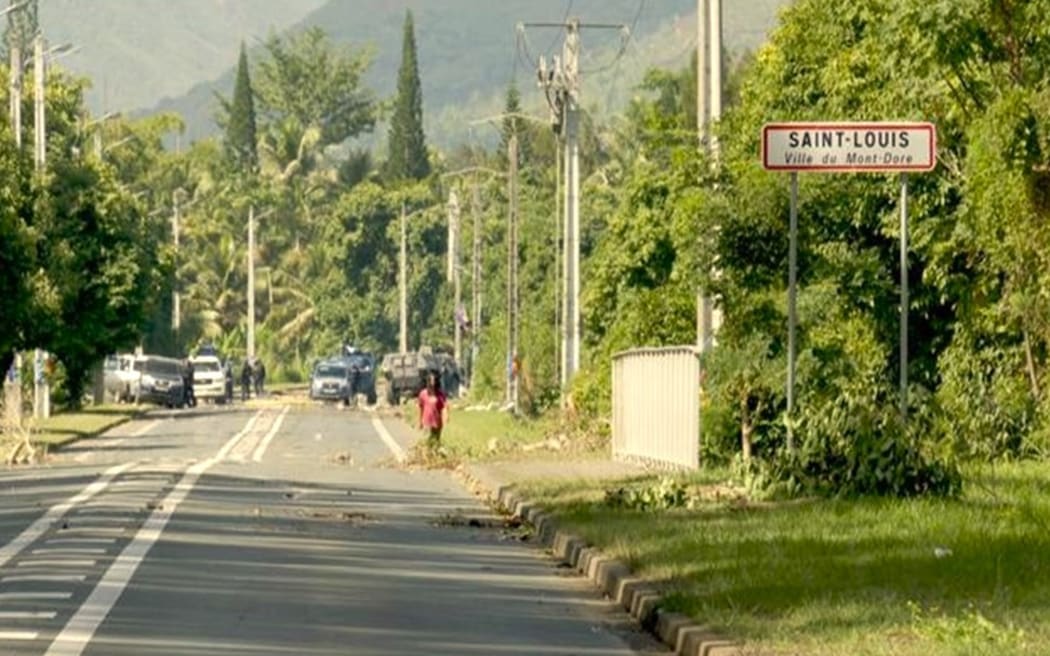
<point>844,147</point>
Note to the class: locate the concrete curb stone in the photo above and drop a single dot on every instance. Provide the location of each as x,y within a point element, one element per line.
<point>639,597</point>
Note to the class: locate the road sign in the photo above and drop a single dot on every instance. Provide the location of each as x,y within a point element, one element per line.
<point>845,147</point>
<point>893,147</point>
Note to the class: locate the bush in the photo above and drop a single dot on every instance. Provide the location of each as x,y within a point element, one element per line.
<point>987,406</point>
<point>857,444</point>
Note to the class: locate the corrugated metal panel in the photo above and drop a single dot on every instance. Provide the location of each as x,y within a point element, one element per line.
<point>656,406</point>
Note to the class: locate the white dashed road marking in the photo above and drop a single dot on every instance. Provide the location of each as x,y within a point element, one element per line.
<point>261,449</point>
<point>388,439</point>
<point>42,525</point>
<point>79,630</point>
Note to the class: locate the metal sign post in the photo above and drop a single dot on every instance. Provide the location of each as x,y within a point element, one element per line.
<point>848,148</point>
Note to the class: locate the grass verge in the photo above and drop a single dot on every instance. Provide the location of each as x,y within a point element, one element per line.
<point>480,435</point>
<point>870,577</point>
<point>62,428</point>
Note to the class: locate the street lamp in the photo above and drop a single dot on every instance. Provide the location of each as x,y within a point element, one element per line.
<point>108,116</point>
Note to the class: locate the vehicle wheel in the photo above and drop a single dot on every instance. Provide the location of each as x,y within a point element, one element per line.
<point>372,398</point>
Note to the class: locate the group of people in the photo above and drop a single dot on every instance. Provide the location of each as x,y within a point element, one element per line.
<point>253,374</point>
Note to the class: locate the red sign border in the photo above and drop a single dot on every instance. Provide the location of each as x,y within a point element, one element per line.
<point>888,168</point>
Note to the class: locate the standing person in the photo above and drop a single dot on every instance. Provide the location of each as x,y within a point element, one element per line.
<point>260,377</point>
<point>187,385</point>
<point>433,410</point>
<point>355,382</point>
<point>246,380</point>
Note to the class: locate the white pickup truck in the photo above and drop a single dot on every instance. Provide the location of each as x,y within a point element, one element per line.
<point>209,378</point>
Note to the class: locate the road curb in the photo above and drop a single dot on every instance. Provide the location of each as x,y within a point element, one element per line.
<point>639,597</point>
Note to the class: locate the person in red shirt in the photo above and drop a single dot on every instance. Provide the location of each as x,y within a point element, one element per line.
<point>433,410</point>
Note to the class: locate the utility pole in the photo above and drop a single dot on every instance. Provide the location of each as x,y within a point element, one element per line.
<point>16,94</point>
<point>571,273</point>
<point>559,319</point>
<point>456,271</point>
<point>513,364</point>
<point>403,282</point>
<point>251,281</point>
<point>176,313</point>
<point>475,281</point>
<point>13,400</point>
<point>561,84</point>
<point>716,72</point>
<point>39,118</point>
<point>708,112</point>
<point>41,388</point>
<point>702,69</point>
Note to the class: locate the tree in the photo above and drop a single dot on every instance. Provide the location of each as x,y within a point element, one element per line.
<point>407,158</point>
<point>310,93</point>
<point>240,124</point>
<point>16,249</point>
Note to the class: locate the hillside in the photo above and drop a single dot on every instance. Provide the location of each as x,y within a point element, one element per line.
<point>468,51</point>
<point>137,52</point>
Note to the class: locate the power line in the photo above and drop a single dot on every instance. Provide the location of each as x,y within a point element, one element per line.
<point>626,37</point>
<point>564,19</point>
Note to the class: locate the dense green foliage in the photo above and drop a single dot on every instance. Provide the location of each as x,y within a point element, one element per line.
<point>407,157</point>
<point>80,256</point>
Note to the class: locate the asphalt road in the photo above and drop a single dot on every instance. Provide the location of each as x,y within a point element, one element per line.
<point>274,531</point>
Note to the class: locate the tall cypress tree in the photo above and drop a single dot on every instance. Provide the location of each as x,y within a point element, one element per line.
<point>240,126</point>
<point>407,159</point>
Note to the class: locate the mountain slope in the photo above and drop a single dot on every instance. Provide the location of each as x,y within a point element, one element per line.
<point>469,50</point>
<point>137,52</point>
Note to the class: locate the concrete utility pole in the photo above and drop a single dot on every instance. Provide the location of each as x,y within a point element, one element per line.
<point>16,94</point>
<point>13,400</point>
<point>176,313</point>
<point>561,84</point>
<point>402,278</point>
<point>252,218</point>
<point>716,71</point>
<point>559,319</point>
<point>512,273</point>
<point>251,282</point>
<point>39,118</point>
<point>41,388</point>
<point>571,272</point>
<point>475,281</point>
<point>455,270</point>
<point>708,111</point>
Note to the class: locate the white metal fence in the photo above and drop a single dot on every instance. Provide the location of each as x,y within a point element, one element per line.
<point>656,406</point>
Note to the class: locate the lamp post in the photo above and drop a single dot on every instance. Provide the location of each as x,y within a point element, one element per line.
<point>41,388</point>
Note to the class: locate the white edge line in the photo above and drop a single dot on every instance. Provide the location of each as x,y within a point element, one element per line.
<point>78,631</point>
<point>388,439</point>
<point>18,635</point>
<point>265,443</point>
<point>45,562</point>
<point>27,614</point>
<point>53,514</point>
<point>13,596</point>
<point>41,578</point>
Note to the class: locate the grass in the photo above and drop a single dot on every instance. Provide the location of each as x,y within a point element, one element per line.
<point>65,427</point>
<point>485,434</point>
<point>870,577</point>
